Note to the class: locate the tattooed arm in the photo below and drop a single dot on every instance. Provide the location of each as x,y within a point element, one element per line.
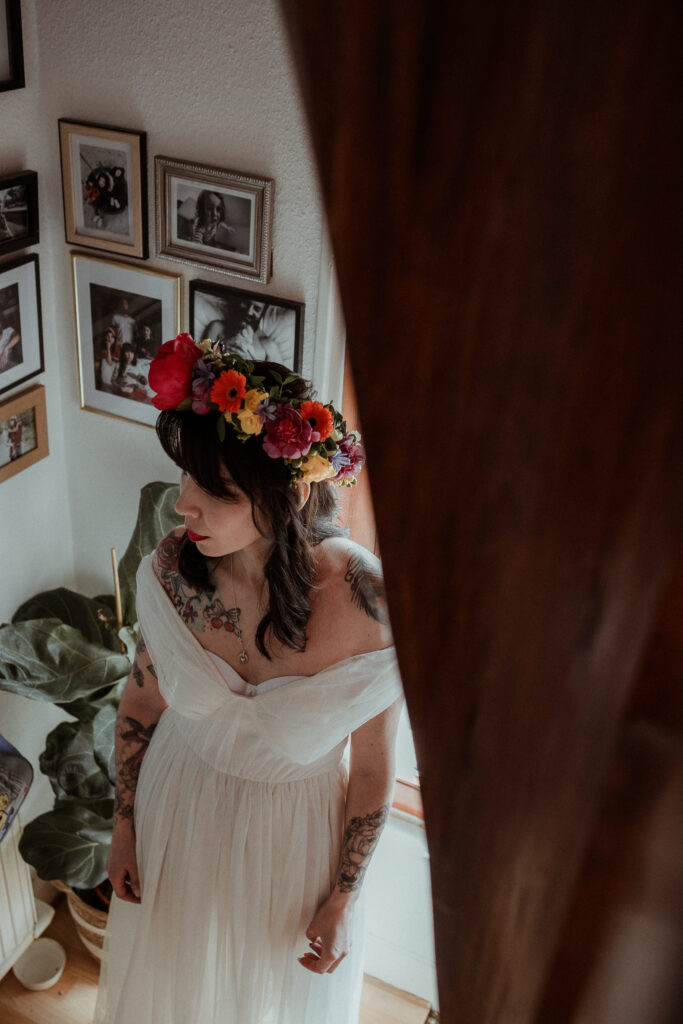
<point>371,784</point>
<point>139,711</point>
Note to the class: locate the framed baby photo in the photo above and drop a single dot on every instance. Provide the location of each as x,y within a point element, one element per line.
<point>21,332</point>
<point>23,431</point>
<point>255,326</point>
<point>11,46</point>
<point>18,211</point>
<point>104,181</point>
<point>123,314</point>
<point>218,219</point>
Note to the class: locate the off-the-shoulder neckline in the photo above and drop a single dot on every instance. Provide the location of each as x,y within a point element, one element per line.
<point>256,686</point>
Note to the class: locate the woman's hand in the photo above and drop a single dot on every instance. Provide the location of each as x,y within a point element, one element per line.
<point>330,935</point>
<point>122,864</point>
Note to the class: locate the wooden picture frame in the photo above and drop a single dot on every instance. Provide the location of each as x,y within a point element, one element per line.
<point>11,46</point>
<point>18,211</point>
<point>217,219</point>
<point>254,325</point>
<point>120,307</point>
<point>21,330</point>
<point>104,184</point>
<point>23,431</point>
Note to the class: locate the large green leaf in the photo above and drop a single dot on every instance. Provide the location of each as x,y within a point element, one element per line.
<point>90,616</point>
<point>68,843</point>
<point>47,660</point>
<point>69,762</point>
<point>156,516</point>
<point>104,735</point>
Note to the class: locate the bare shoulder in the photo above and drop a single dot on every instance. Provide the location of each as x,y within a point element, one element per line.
<point>165,558</point>
<point>351,583</point>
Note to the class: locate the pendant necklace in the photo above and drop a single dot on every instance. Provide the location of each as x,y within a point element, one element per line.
<point>236,629</point>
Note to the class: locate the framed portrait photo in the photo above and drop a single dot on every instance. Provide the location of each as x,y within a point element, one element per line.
<point>218,219</point>
<point>123,315</point>
<point>104,181</point>
<point>255,326</point>
<point>23,431</point>
<point>11,46</point>
<point>18,211</point>
<point>21,332</point>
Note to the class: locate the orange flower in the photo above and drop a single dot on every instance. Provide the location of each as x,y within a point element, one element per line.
<point>320,418</point>
<point>229,390</point>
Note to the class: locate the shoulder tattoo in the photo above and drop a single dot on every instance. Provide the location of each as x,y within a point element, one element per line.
<point>367,588</point>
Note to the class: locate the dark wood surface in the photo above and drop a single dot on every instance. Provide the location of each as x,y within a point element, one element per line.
<point>502,184</point>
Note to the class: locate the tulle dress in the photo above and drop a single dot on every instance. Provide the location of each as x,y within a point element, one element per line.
<point>239,816</point>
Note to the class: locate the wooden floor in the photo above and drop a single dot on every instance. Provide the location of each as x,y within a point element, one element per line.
<point>72,999</point>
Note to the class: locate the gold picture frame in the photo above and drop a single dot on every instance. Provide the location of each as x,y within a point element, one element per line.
<point>23,431</point>
<point>104,186</point>
<point>124,313</point>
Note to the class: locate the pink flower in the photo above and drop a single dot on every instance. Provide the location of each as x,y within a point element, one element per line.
<point>288,435</point>
<point>170,373</point>
<point>348,459</point>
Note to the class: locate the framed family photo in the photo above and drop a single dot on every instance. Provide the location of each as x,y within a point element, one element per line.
<point>255,326</point>
<point>123,315</point>
<point>11,46</point>
<point>23,431</point>
<point>18,211</point>
<point>218,219</point>
<point>104,180</point>
<point>21,332</point>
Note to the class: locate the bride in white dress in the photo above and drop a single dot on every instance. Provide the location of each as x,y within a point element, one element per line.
<point>241,838</point>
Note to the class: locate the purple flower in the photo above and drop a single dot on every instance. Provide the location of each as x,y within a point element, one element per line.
<point>267,410</point>
<point>201,387</point>
<point>288,435</point>
<point>349,457</point>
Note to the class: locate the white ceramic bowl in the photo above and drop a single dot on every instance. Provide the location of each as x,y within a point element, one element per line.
<point>41,965</point>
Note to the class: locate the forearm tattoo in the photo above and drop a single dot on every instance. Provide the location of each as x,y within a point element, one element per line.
<point>367,588</point>
<point>137,672</point>
<point>132,741</point>
<point>200,611</point>
<point>360,839</point>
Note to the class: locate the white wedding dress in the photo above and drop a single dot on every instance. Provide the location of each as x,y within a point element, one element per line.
<point>239,816</point>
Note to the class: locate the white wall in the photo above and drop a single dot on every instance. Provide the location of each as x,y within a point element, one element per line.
<point>214,84</point>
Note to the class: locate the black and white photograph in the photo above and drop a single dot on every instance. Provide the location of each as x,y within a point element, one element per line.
<point>252,325</point>
<point>218,219</point>
<point>23,431</point>
<point>11,46</point>
<point>18,211</point>
<point>123,315</point>
<point>21,339</point>
<point>103,176</point>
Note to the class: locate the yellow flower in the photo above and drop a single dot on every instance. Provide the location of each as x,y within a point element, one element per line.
<point>252,400</point>
<point>316,468</point>
<point>249,422</point>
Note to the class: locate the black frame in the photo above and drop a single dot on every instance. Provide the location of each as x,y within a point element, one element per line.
<point>4,267</point>
<point>227,292</point>
<point>15,47</point>
<point>30,180</point>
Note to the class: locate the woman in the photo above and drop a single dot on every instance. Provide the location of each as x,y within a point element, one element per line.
<point>263,645</point>
<point>106,367</point>
<point>210,226</point>
<point>125,380</point>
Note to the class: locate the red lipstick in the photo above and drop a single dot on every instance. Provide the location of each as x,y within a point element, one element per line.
<point>194,537</point>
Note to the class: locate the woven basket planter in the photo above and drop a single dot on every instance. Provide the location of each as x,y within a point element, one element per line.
<point>90,923</point>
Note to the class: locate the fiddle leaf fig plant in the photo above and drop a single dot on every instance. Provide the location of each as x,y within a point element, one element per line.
<point>69,649</point>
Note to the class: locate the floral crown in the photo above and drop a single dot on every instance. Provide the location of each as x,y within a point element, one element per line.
<point>311,437</point>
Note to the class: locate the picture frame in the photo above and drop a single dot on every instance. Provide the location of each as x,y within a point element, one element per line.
<point>217,219</point>
<point>18,211</point>
<point>11,46</point>
<point>104,186</point>
<point>254,325</point>
<point>21,330</point>
<point>23,431</point>
<point>123,314</point>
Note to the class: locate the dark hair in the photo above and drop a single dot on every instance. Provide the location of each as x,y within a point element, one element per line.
<point>203,202</point>
<point>192,442</point>
<point>127,348</point>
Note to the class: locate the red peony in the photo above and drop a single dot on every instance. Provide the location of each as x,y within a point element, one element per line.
<point>288,435</point>
<point>170,373</point>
